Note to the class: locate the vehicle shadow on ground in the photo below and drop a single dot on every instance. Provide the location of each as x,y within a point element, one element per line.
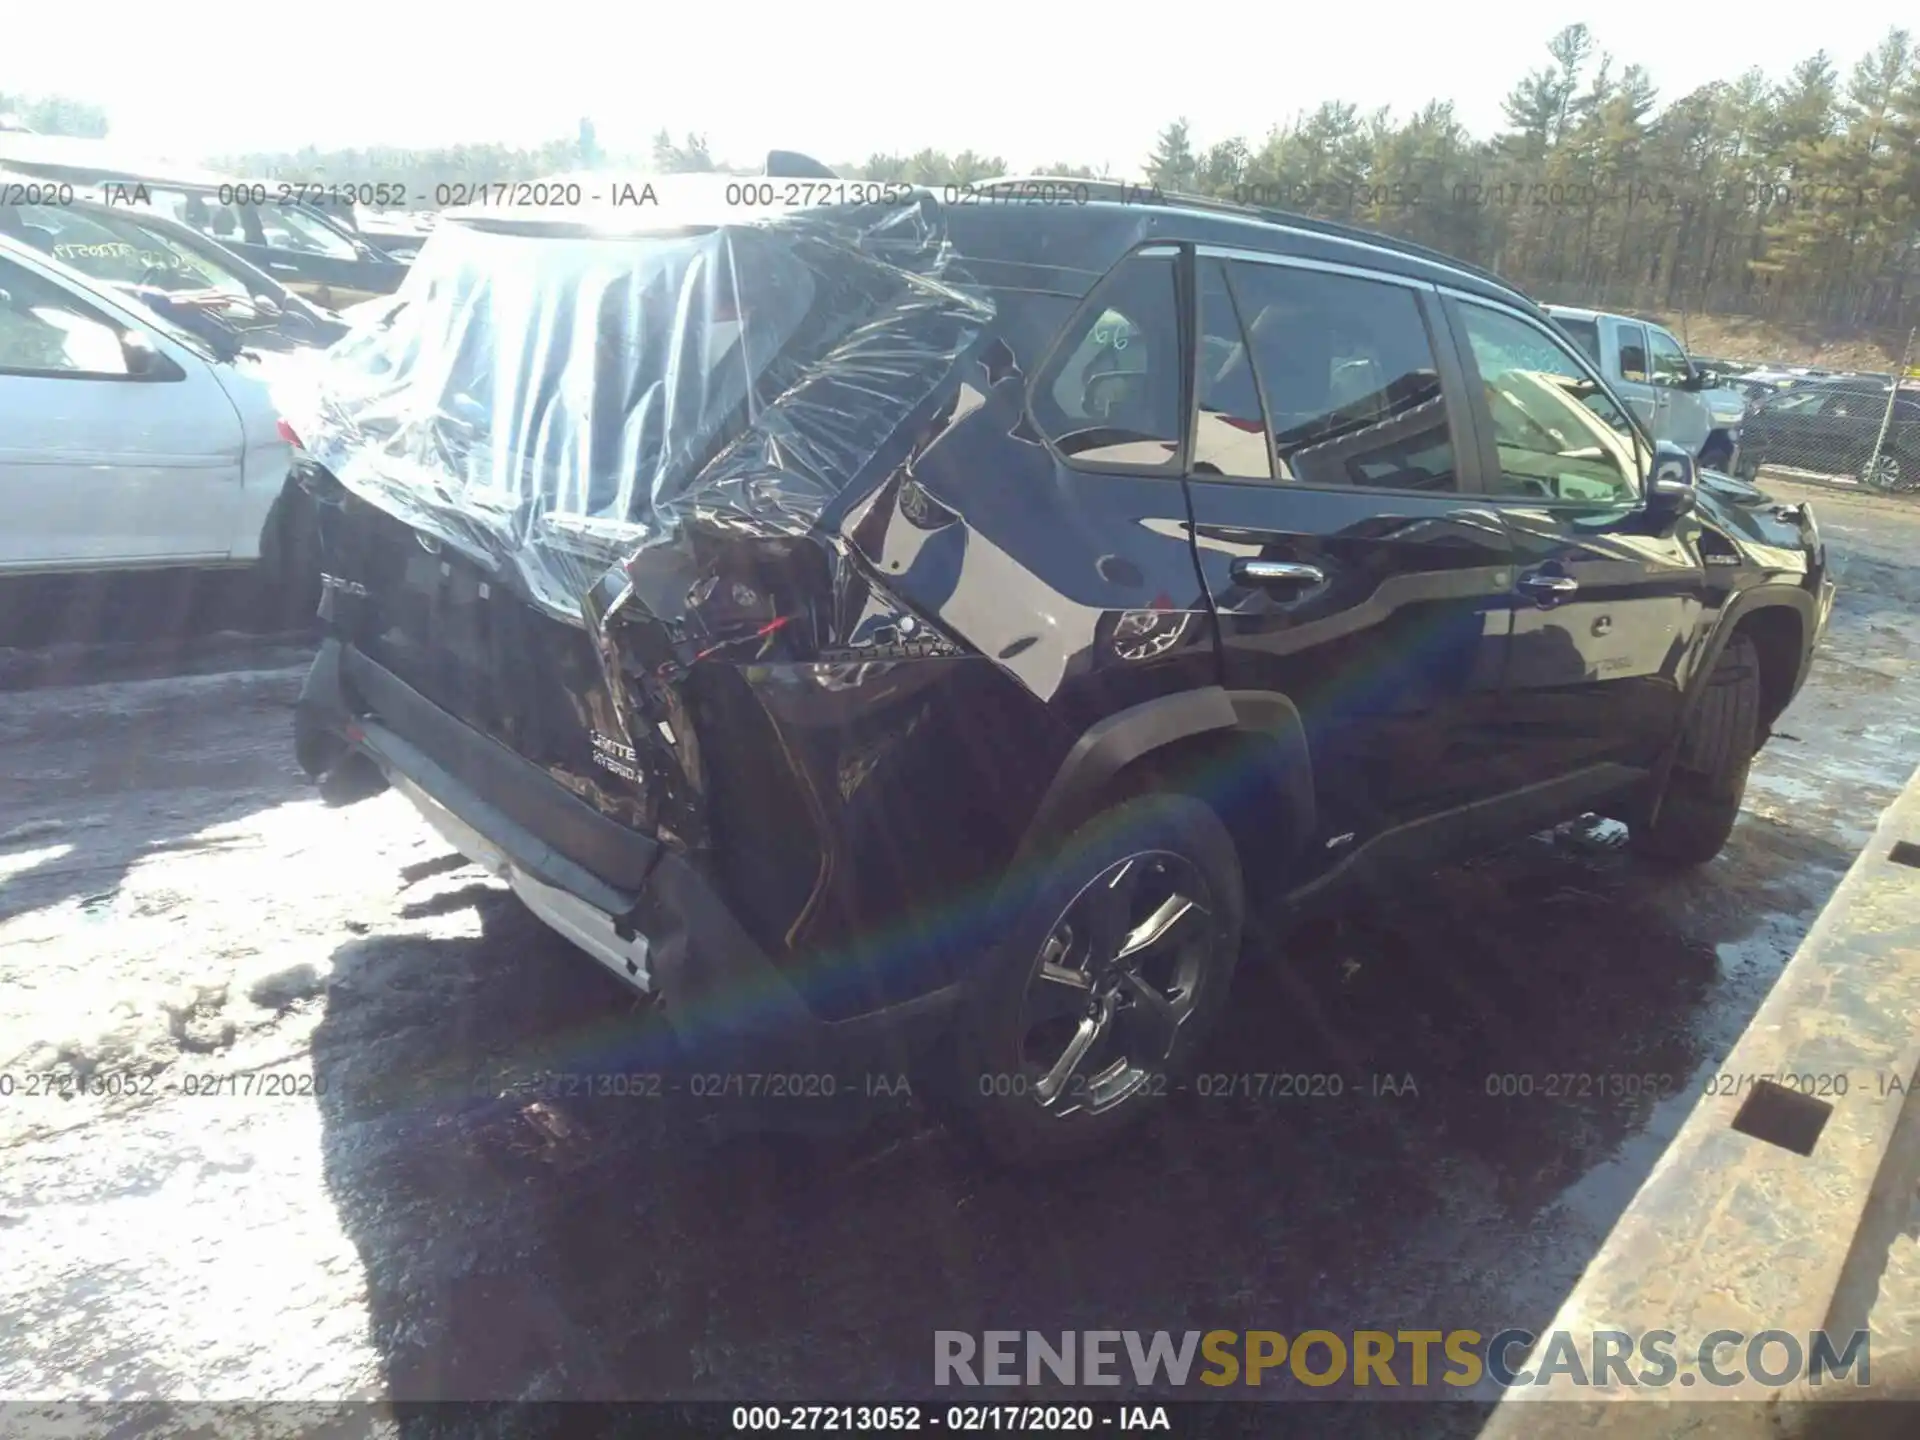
<point>542,1245</point>
<point>91,865</point>
<point>133,798</point>
<point>101,780</point>
<point>65,630</point>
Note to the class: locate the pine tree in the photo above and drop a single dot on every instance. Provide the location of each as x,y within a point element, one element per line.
<point>1173,166</point>
<point>1796,197</point>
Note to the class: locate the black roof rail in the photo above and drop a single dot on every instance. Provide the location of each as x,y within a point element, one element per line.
<point>1142,192</point>
<point>1341,230</point>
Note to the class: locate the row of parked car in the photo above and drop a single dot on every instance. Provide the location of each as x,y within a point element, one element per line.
<point>221,277</point>
<point>146,314</point>
<point>1738,417</point>
<point>1863,425</point>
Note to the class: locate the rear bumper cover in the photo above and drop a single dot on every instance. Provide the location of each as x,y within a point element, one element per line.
<point>644,911</point>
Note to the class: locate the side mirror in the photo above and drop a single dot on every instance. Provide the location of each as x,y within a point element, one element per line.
<point>144,362</point>
<point>1671,490</point>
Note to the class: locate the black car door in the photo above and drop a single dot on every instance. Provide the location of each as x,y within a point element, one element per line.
<point>1353,568</point>
<point>1785,429</point>
<point>1605,606</point>
<point>1049,525</point>
<point>1846,427</point>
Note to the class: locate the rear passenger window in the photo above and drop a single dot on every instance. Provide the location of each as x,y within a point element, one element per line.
<point>1669,361</point>
<point>1230,433</point>
<point>1348,374</point>
<point>1111,396</point>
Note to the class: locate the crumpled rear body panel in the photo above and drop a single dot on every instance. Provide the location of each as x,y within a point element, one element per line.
<point>554,400</point>
<point>826,627</point>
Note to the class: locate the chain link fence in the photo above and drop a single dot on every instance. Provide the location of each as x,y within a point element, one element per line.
<point>1859,430</point>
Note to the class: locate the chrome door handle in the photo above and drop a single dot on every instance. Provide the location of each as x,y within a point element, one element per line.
<point>1548,588</point>
<point>1276,572</point>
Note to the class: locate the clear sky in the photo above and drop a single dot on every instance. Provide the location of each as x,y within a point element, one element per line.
<point>1032,81</point>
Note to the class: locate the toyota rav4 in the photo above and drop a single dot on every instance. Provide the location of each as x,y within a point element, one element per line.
<point>898,627</point>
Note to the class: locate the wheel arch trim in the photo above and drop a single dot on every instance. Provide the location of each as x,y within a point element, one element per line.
<point>1110,745</point>
<point>1739,607</point>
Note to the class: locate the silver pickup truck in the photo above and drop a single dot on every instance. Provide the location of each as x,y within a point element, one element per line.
<point>1675,397</point>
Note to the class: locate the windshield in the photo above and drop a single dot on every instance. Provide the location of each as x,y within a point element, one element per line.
<point>119,250</point>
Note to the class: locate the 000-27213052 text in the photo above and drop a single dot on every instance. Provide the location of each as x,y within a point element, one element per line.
<point>951,1419</point>
<point>126,1084</point>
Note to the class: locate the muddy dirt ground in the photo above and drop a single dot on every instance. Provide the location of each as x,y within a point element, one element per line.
<point>180,918</point>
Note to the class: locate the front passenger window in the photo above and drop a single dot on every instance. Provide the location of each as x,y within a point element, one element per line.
<point>1559,435</point>
<point>1670,365</point>
<point>1112,395</point>
<point>45,331</point>
<point>284,228</point>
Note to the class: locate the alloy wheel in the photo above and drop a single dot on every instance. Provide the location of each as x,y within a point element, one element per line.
<point>1884,474</point>
<point>1118,975</point>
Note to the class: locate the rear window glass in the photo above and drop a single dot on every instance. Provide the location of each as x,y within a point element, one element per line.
<point>576,367</point>
<point>552,398</point>
<point>1112,395</point>
<point>1584,334</point>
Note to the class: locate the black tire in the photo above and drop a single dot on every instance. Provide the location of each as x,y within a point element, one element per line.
<point>1156,844</point>
<point>1709,778</point>
<point>1715,454</point>
<point>289,570</point>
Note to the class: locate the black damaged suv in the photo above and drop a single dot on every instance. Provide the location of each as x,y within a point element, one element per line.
<point>915,626</point>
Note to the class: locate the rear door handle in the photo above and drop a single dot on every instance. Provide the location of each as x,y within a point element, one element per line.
<point>1276,574</point>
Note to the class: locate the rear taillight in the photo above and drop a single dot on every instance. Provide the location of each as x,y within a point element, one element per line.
<point>289,434</point>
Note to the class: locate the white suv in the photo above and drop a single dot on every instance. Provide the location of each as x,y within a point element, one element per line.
<point>125,443</point>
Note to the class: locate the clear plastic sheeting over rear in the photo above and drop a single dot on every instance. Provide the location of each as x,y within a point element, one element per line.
<point>551,398</point>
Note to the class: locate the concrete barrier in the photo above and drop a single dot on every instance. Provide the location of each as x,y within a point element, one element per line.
<point>1733,1231</point>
